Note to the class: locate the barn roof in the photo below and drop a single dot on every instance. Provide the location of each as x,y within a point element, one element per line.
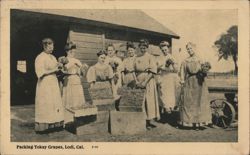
<point>135,19</point>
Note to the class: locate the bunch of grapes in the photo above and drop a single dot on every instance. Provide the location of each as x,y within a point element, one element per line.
<point>114,65</point>
<point>205,67</point>
<point>63,60</point>
<point>169,62</point>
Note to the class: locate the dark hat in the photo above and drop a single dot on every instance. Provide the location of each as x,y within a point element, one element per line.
<point>110,45</point>
<point>101,52</point>
<point>130,45</point>
<point>69,46</point>
<point>47,41</point>
<point>164,43</point>
<point>144,42</point>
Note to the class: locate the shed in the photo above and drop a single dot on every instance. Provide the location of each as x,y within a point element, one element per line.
<point>91,30</point>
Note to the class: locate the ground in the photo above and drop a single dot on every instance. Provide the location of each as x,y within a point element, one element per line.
<point>22,130</point>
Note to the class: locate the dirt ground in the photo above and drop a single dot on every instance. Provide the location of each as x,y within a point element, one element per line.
<point>22,130</point>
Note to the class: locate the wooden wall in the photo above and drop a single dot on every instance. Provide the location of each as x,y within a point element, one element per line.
<point>88,44</point>
<point>90,39</point>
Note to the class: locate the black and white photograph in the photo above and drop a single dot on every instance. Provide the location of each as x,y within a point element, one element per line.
<point>124,75</point>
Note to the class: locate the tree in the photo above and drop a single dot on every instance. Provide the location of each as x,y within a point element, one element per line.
<point>227,46</point>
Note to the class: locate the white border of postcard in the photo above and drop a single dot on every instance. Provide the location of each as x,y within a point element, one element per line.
<point>240,147</point>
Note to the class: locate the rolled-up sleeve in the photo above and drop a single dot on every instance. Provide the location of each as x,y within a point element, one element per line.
<point>78,63</point>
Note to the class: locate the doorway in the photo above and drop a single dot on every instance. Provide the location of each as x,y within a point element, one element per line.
<point>27,30</point>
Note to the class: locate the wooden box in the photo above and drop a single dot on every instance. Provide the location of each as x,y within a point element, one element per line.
<point>131,97</point>
<point>100,125</point>
<point>101,90</point>
<point>131,108</point>
<point>104,104</point>
<point>83,111</point>
<point>90,121</point>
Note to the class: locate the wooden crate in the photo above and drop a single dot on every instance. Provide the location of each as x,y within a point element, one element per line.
<point>131,97</point>
<point>104,104</point>
<point>100,91</point>
<point>100,125</point>
<point>83,111</point>
<point>93,124</point>
<point>131,108</point>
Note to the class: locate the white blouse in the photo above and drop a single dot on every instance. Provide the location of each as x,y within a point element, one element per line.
<point>44,63</point>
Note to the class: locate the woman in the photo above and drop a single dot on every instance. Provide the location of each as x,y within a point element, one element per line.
<point>167,69</point>
<point>194,108</point>
<point>128,73</point>
<point>116,64</point>
<point>145,69</point>
<point>100,73</point>
<point>48,102</point>
<point>73,95</point>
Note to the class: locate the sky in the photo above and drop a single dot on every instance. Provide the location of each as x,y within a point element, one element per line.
<point>202,27</point>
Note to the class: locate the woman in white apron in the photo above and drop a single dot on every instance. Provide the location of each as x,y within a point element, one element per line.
<point>48,102</point>
<point>73,95</point>
<point>168,79</point>
<point>116,64</point>
<point>128,72</point>
<point>101,74</point>
<point>145,69</point>
<point>195,108</point>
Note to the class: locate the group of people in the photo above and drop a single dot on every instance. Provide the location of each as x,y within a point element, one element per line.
<point>52,102</point>
<point>167,86</point>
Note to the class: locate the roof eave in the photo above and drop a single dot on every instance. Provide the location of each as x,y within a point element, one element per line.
<point>116,26</point>
<point>98,23</point>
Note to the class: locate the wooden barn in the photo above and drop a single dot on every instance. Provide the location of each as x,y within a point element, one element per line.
<point>91,30</point>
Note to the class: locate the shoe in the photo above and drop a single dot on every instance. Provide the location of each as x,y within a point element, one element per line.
<point>149,125</point>
<point>210,125</point>
<point>152,125</point>
<point>167,110</point>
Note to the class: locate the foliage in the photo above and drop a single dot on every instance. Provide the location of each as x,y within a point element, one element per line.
<point>227,45</point>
